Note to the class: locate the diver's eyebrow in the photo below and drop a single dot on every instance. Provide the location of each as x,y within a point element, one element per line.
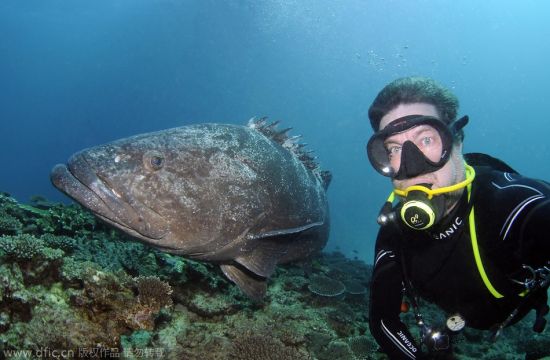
<point>391,142</point>
<point>423,128</point>
<point>415,132</point>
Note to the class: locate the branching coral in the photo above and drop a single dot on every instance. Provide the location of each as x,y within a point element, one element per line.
<point>61,220</point>
<point>26,247</point>
<point>9,225</point>
<point>153,295</point>
<point>153,292</point>
<point>65,243</point>
<point>42,217</point>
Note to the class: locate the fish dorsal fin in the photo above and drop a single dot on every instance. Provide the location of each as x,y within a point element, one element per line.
<point>252,286</point>
<point>326,176</point>
<point>291,143</point>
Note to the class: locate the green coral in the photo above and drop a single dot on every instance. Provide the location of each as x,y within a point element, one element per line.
<point>43,217</point>
<point>64,220</point>
<point>337,349</point>
<point>7,202</point>
<point>26,247</point>
<point>65,243</point>
<point>11,281</point>
<point>9,225</point>
<point>72,271</point>
<point>113,253</point>
<point>138,340</point>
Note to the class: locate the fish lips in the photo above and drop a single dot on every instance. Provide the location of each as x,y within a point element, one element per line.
<point>81,182</point>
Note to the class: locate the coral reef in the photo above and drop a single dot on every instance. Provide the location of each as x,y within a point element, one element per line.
<point>362,346</point>
<point>26,247</point>
<point>68,282</point>
<point>9,224</point>
<point>153,292</point>
<point>324,286</point>
<point>264,347</point>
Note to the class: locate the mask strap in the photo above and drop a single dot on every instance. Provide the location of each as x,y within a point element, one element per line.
<point>457,125</point>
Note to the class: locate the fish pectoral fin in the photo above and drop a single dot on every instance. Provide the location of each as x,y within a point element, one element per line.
<point>254,287</point>
<point>262,255</point>
<point>263,258</point>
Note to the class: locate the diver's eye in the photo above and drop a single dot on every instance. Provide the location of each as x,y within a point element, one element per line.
<point>153,160</point>
<point>393,150</point>
<point>427,141</point>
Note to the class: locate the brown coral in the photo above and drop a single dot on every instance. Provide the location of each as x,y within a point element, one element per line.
<point>153,292</point>
<point>153,295</point>
<point>139,317</point>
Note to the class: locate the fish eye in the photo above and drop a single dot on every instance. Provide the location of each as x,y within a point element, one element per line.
<point>153,160</point>
<point>156,162</point>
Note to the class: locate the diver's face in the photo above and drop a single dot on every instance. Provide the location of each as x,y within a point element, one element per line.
<point>451,173</point>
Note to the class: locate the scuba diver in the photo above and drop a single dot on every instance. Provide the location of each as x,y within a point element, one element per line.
<point>463,231</point>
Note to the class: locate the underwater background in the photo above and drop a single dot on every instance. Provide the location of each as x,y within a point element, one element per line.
<point>75,74</point>
<point>80,73</point>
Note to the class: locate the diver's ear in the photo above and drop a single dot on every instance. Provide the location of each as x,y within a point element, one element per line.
<point>456,153</point>
<point>457,147</point>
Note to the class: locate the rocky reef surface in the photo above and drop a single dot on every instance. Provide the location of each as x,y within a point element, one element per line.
<point>71,287</point>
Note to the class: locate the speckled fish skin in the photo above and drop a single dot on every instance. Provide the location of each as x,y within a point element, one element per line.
<point>229,194</point>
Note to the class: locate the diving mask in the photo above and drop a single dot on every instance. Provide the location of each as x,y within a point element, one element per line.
<point>422,206</point>
<point>428,149</point>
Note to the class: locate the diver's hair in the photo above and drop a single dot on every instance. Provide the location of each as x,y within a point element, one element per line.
<point>414,90</point>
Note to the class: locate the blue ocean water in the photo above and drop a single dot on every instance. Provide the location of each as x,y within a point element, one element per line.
<point>74,74</point>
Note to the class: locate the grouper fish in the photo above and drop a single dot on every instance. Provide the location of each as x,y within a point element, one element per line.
<point>244,197</point>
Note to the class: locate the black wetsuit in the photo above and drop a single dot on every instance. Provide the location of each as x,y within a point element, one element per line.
<point>512,222</point>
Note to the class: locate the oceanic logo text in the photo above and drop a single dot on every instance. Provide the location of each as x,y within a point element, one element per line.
<point>455,225</point>
<point>407,341</point>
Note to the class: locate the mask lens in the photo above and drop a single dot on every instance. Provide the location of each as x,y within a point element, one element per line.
<point>410,146</point>
<point>425,138</point>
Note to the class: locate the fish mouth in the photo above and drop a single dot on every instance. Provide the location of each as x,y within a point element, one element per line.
<point>79,181</point>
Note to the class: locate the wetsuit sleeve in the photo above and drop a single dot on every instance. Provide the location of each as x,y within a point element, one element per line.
<point>535,239</point>
<point>385,305</point>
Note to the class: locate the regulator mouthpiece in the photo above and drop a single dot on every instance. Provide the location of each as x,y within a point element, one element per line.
<point>419,212</point>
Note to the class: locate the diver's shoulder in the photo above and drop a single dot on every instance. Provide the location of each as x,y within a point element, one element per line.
<point>491,181</point>
<point>388,237</point>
